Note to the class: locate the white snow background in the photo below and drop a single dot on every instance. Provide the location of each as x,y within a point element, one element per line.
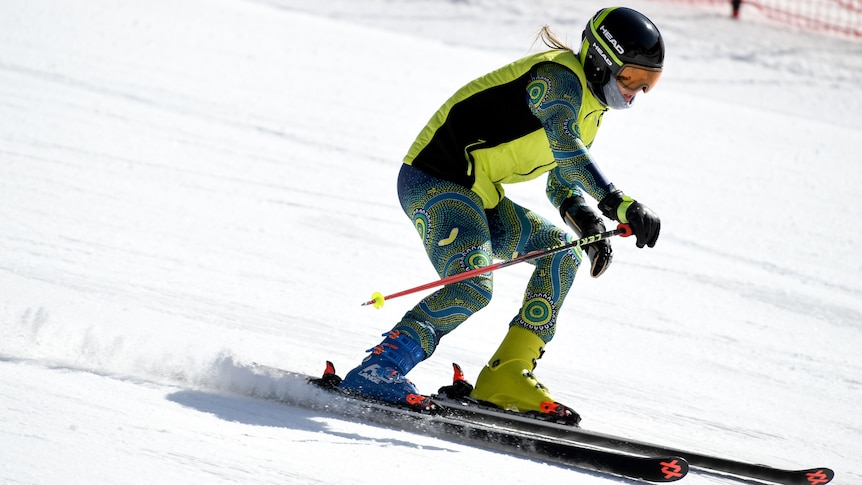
<point>188,187</point>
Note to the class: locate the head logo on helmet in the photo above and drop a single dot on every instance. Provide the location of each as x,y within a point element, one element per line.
<point>602,54</point>
<point>607,33</point>
<point>616,38</point>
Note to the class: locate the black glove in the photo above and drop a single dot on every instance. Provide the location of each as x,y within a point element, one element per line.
<point>587,222</point>
<point>644,222</point>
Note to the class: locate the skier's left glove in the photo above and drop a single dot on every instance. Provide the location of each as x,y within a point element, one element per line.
<point>587,222</point>
<point>644,222</point>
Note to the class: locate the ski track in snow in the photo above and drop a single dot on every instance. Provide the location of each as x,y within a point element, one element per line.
<point>191,187</point>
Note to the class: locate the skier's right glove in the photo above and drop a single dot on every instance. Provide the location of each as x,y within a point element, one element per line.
<point>587,222</point>
<point>644,222</point>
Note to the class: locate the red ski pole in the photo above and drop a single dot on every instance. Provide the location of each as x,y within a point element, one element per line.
<point>377,299</point>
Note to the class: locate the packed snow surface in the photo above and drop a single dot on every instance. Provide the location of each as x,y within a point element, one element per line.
<point>190,187</point>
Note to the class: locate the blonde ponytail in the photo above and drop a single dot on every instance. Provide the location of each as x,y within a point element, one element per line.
<point>551,40</point>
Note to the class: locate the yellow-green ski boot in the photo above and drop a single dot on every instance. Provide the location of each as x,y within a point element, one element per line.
<point>507,381</point>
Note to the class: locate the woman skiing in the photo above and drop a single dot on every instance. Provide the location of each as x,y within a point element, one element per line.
<point>536,115</point>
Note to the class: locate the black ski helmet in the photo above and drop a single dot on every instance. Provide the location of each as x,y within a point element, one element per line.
<point>616,36</point>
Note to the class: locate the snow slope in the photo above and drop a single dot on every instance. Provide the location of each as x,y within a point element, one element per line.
<point>190,187</point>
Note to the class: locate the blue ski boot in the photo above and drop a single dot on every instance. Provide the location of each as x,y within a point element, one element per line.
<point>382,374</point>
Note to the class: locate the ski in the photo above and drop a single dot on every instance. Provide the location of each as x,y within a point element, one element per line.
<point>472,411</point>
<point>453,415</point>
<point>430,420</point>
<point>462,407</point>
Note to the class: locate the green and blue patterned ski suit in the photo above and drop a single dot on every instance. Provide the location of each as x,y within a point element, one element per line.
<point>531,117</point>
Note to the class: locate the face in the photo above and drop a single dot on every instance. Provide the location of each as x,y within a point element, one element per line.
<point>628,94</point>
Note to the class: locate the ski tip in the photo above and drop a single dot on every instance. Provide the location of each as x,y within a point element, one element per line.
<point>817,476</point>
<point>330,368</point>
<point>669,469</point>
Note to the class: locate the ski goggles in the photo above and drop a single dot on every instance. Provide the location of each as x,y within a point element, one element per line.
<point>636,78</point>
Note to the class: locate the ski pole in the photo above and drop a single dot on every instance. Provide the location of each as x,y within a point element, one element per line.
<point>377,299</point>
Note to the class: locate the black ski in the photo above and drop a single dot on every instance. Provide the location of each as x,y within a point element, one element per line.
<point>431,421</point>
<point>462,407</point>
<point>471,411</point>
<point>543,438</point>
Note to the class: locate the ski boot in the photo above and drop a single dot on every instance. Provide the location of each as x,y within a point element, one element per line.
<point>382,374</point>
<point>507,381</point>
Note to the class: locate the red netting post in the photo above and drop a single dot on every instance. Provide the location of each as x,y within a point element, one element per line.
<point>736,4</point>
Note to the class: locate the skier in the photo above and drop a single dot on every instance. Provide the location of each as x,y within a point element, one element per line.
<point>539,114</point>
